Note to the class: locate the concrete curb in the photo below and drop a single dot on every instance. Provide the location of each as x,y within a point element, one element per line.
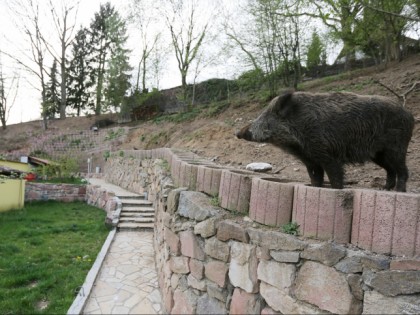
<point>117,212</point>
<point>85,290</point>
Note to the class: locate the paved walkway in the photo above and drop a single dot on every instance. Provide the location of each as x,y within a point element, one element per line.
<point>127,282</point>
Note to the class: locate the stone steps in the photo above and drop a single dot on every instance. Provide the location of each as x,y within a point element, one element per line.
<point>136,214</point>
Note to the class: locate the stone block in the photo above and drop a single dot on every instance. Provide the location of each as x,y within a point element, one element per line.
<point>327,253</point>
<point>173,241</point>
<point>243,267</point>
<point>173,200</point>
<point>323,213</point>
<point>326,288</point>
<point>196,268</point>
<point>350,265</point>
<point>229,230</point>
<point>405,264</point>
<point>179,264</point>
<point>208,179</point>
<point>386,222</point>
<point>207,228</point>
<point>168,300</point>
<point>377,262</point>
<point>392,283</point>
<point>195,283</point>
<point>196,206</point>
<point>235,190</point>
<point>284,303</point>
<point>269,311</point>
<point>263,253</point>
<point>376,303</point>
<point>285,256</point>
<point>208,305</point>
<point>217,249</point>
<point>185,302</point>
<point>244,303</point>
<point>191,246</point>
<point>216,271</point>
<point>214,291</point>
<point>271,201</point>
<point>279,275</point>
<point>274,240</point>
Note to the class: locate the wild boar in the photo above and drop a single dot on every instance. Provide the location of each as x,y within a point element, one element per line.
<point>328,130</point>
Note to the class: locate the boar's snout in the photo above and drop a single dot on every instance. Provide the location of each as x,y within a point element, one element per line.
<point>244,133</point>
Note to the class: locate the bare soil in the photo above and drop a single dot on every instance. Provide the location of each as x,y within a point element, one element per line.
<point>213,137</point>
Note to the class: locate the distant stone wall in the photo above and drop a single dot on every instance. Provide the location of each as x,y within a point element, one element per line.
<point>60,192</point>
<point>213,259</point>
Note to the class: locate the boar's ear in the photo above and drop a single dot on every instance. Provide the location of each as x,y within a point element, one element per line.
<point>284,104</point>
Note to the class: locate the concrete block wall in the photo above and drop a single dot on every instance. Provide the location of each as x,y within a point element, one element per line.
<point>212,262</point>
<point>382,222</point>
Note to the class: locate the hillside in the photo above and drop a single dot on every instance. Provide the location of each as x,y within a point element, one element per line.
<point>211,133</point>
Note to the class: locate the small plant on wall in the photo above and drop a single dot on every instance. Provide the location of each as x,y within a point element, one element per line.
<point>291,228</point>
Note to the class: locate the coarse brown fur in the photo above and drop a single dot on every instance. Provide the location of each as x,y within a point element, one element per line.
<point>328,130</point>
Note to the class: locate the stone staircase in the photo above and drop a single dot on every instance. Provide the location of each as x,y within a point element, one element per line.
<point>136,214</point>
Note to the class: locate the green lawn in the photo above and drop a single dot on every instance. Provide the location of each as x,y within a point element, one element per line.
<point>46,251</point>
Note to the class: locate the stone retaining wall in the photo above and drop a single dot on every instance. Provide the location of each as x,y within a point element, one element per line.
<point>215,260</point>
<point>60,192</point>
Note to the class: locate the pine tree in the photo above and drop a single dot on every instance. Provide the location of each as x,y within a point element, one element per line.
<point>52,94</point>
<point>118,77</point>
<point>80,73</point>
<point>316,55</point>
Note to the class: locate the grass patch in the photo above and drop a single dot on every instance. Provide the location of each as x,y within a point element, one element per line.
<point>46,251</point>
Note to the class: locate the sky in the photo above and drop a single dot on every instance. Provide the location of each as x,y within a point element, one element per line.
<point>27,104</point>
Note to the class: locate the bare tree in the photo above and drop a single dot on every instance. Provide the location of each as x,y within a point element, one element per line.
<point>143,16</point>
<point>8,95</point>
<point>187,35</point>
<point>64,18</point>
<point>33,59</point>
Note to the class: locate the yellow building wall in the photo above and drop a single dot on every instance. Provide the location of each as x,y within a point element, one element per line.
<point>12,194</point>
<point>16,165</point>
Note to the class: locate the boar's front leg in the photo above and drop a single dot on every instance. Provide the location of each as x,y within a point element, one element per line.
<point>316,174</point>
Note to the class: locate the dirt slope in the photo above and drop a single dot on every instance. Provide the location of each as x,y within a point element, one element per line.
<point>214,138</point>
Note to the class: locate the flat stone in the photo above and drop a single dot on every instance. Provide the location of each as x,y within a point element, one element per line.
<point>185,302</point>
<point>179,264</point>
<point>326,288</point>
<point>209,305</point>
<point>206,228</point>
<point>285,256</point>
<point>263,253</point>
<point>356,282</point>
<point>173,200</point>
<point>196,283</point>
<point>196,206</point>
<point>350,265</point>
<point>277,274</point>
<point>229,230</point>
<point>327,253</point>
<point>214,291</point>
<point>392,283</point>
<point>217,249</point>
<point>197,268</point>
<point>245,303</point>
<point>172,240</point>
<point>275,240</point>
<point>191,246</point>
<point>243,267</point>
<point>378,262</point>
<point>376,303</point>
<point>259,167</point>
<point>269,311</point>
<point>405,264</point>
<point>284,303</point>
<point>216,271</point>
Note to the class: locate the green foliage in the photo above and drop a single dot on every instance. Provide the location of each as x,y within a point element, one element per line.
<point>47,249</point>
<point>112,134</point>
<point>179,117</point>
<point>106,155</point>
<point>316,54</point>
<point>64,168</point>
<point>213,90</point>
<point>121,153</point>
<point>142,105</point>
<point>215,201</point>
<point>290,228</point>
<point>52,94</point>
<point>251,80</point>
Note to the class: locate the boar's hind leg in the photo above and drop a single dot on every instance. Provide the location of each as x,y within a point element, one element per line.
<point>383,161</point>
<point>335,173</point>
<point>316,173</point>
<point>402,173</point>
